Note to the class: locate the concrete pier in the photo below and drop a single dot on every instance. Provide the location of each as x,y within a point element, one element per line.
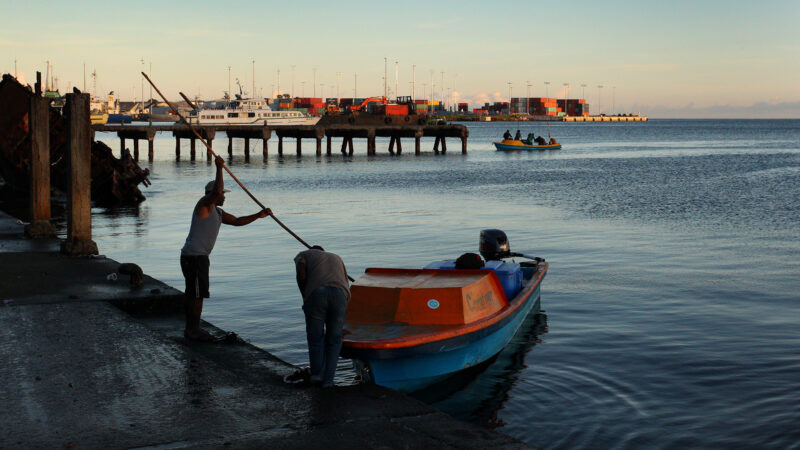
<point>369,128</point>
<point>90,362</point>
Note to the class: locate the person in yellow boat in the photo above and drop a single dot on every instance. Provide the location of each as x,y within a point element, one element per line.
<point>529,139</point>
<point>518,136</point>
<point>507,135</point>
<point>553,141</point>
<point>540,140</point>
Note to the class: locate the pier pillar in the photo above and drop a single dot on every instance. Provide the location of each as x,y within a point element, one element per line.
<point>230,146</point>
<point>371,142</point>
<point>246,149</point>
<point>264,147</point>
<point>192,149</point>
<point>299,146</point>
<point>121,147</point>
<point>344,145</point>
<point>136,150</point>
<point>319,146</point>
<point>280,145</point>
<point>391,145</point>
<point>436,145</point>
<point>177,148</point>
<point>463,145</point>
<point>399,146</point>
<point>328,149</point>
<point>444,145</point>
<point>350,145</point>
<point>417,138</point>
<point>209,155</point>
<point>150,148</point>
<point>39,126</point>
<point>79,216</point>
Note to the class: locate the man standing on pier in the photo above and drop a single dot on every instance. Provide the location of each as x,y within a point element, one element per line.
<point>206,220</point>
<point>322,279</point>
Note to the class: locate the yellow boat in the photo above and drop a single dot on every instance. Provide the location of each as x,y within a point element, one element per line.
<point>517,145</point>
<point>98,118</point>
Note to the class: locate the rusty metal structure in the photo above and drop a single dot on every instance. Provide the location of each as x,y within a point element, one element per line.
<point>115,181</point>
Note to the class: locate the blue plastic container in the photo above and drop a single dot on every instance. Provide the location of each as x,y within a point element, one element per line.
<point>509,274</point>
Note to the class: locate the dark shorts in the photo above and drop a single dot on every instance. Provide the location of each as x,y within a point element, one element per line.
<point>195,271</point>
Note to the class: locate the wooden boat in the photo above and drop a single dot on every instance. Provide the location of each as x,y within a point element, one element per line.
<point>409,328</point>
<point>514,145</point>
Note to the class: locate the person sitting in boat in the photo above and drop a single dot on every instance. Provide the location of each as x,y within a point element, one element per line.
<point>553,141</point>
<point>518,136</point>
<point>540,140</point>
<point>529,139</point>
<point>507,135</point>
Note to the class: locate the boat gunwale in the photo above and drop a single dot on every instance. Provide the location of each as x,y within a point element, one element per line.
<point>510,147</point>
<point>454,333</point>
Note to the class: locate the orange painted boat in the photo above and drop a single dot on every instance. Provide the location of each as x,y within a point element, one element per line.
<point>409,328</point>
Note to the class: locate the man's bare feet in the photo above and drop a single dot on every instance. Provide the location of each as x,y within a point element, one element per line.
<point>199,335</point>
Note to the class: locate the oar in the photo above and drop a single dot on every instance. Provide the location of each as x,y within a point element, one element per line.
<point>186,122</point>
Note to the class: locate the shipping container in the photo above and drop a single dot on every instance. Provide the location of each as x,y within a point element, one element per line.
<point>396,110</point>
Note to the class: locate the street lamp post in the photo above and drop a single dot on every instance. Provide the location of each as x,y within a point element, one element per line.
<point>599,98</point>
<point>509,98</point>
<point>546,84</point>
<point>613,100</point>
<point>293,91</point>
<point>566,90</point>
<point>413,79</point>
<point>527,98</point>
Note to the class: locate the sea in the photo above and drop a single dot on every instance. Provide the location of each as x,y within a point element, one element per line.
<point>671,310</point>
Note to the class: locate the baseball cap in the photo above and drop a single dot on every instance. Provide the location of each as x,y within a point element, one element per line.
<point>210,187</point>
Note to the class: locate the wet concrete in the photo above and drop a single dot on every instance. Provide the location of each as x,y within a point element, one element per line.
<point>94,363</point>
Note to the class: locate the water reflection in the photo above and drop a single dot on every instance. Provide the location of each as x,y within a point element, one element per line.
<point>477,394</point>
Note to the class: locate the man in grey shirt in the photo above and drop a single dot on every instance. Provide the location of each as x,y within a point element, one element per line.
<point>206,220</point>
<point>322,278</point>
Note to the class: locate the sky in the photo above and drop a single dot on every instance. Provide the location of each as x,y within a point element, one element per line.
<point>663,59</point>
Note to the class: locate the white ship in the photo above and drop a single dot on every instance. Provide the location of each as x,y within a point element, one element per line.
<point>248,111</point>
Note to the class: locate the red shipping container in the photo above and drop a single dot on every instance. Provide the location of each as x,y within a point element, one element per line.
<point>396,110</point>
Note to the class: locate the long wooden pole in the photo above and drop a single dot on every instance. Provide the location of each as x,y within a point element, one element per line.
<point>186,122</point>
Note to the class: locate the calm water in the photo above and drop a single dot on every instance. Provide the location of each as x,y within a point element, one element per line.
<point>672,303</point>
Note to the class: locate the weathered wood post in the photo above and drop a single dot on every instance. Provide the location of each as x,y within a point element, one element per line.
<point>391,145</point>
<point>463,145</point>
<point>371,141</point>
<point>399,146</point>
<point>79,215</point>
<point>328,149</point>
<point>436,145</point>
<point>319,146</point>
<point>121,146</point>
<point>350,145</point>
<point>246,148</point>
<point>150,138</point>
<point>280,145</point>
<point>444,145</point>
<point>39,126</point>
<point>299,146</point>
<point>192,149</point>
<point>136,149</point>
<point>177,146</point>
<point>417,138</point>
<point>230,146</point>
<point>344,145</point>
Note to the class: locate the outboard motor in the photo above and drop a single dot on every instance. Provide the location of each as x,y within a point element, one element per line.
<point>494,245</point>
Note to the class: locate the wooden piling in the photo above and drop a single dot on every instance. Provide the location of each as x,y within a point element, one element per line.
<point>39,126</point>
<point>319,146</point>
<point>399,146</point>
<point>417,138</point>
<point>192,149</point>
<point>264,152</point>
<point>136,150</point>
<point>121,147</point>
<point>391,145</point>
<point>463,145</point>
<point>280,145</point>
<point>299,146</point>
<point>79,217</point>
<point>246,149</point>
<point>436,145</point>
<point>230,146</point>
<point>328,149</point>
<point>444,145</point>
<point>150,151</point>
<point>177,148</point>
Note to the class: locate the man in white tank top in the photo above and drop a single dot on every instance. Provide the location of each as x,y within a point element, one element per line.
<point>206,220</point>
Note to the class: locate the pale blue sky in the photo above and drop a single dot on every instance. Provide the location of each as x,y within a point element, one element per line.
<point>665,59</point>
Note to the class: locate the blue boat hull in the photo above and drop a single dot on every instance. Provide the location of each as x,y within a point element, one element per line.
<point>413,373</point>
